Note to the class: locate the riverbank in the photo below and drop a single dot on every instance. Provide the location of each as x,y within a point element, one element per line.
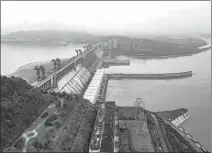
<point>29,75</point>
<point>39,43</point>
<point>164,56</point>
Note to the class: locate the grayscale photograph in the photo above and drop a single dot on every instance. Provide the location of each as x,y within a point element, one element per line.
<point>106,76</point>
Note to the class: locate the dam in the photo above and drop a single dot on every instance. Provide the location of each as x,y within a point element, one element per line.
<point>74,77</point>
<point>75,73</point>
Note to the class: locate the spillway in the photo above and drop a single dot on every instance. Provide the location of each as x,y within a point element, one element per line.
<point>74,81</point>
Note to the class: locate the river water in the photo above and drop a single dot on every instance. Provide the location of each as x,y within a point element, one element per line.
<point>193,93</point>
<point>14,56</point>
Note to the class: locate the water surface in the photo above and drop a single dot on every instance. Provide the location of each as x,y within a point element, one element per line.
<point>15,55</point>
<point>193,93</point>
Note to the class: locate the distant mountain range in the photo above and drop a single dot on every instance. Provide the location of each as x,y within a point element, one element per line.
<point>58,35</point>
<point>62,35</point>
<point>49,35</point>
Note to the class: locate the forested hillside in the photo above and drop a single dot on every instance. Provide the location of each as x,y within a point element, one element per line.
<point>21,104</point>
<point>24,107</point>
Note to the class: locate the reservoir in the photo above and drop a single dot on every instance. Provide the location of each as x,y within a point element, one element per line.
<point>193,93</point>
<point>14,56</point>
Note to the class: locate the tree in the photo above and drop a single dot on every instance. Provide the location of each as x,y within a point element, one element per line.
<point>69,97</point>
<point>55,63</point>
<point>58,104</point>
<point>65,105</point>
<point>51,101</point>
<point>20,143</point>
<point>52,117</point>
<point>57,124</point>
<point>63,94</point>
<point>45,114</point>
<point>53,93</point>
<point>35,144</point>
<point>60,95</point>
<point>40,145</point>
<point>76,97</point>
<point>48,123</point>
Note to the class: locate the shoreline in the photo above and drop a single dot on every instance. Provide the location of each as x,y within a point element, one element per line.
<point>163,56</point>
<point>133,56</point>
<point>32,42</point>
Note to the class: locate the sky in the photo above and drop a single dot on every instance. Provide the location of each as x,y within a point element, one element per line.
<point>112,17</point>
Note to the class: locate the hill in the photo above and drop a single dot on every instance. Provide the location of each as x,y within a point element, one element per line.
<point>157,48</point>
<point>20,105</point>
<point>47,35</point>
<point>24,108</point>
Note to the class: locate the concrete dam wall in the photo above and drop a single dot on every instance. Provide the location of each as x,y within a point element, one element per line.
<point>150,76</point>
<point>76,80</point>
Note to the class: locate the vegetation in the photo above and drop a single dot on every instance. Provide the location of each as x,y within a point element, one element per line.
<point>149,48</point>
<point>45,114</point>
<point>77,130</point>
<point>81,125</point>
<point>21,104</point>
<point>20,143</point>
<point>81,143</point>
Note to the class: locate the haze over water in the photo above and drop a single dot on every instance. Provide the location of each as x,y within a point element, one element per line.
<point>15,56</point>
<point>193,93</point>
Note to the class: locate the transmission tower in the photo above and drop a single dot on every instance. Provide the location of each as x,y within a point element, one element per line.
<point>140,114</point>
<point>140,118</point>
